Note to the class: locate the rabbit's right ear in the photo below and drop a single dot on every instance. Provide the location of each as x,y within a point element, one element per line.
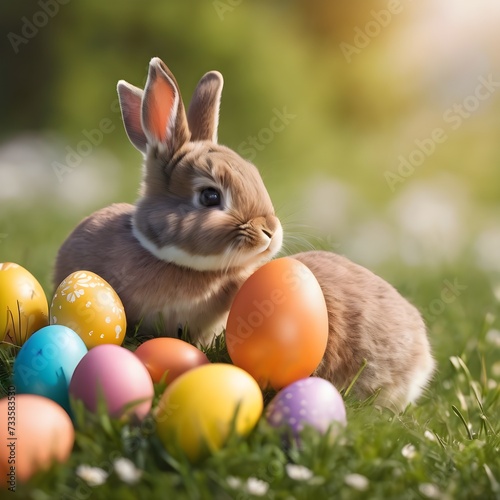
<point>203,112</point>
<point>163,116</point>
<point>130,104</point>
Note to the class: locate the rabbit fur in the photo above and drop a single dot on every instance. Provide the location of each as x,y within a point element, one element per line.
<point>204,222</point>
<point>369,320</point>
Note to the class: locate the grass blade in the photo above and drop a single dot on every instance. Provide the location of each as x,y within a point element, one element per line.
<point>356,377</point>
<point>456,411</point>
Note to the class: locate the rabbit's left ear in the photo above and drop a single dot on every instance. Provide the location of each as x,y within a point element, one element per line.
<point>203,112</point>
<point>163,117</point>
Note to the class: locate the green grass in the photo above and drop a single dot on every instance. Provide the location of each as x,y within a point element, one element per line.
<point>448,446</point>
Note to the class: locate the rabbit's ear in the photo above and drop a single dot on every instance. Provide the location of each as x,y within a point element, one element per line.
<point>163,117</point>
<point>203,113</point>
<point>130,104</point>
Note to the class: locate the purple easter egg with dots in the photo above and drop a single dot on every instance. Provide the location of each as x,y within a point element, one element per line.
<point>310,401</point>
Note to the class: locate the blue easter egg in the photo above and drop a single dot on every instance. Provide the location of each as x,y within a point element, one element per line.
<point>46,362</point>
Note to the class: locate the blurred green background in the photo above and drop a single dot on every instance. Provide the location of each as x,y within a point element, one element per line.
<point>367,86</point>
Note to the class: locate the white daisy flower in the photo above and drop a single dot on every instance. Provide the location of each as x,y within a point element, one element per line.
<point>234,482</point>
<point>430,436</point>
<point>298,472</point>
<point>429,490</point>
<point>93,476</point>
<point>493,337</point>
<point>127,471</point>
<point>409,451</point>
<point>357,481</point>
<point>256,487</point>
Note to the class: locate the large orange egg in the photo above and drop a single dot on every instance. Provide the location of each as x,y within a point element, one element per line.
<point>23,305</point>
<point>88,305</point>
<point>35,432</point>
<point>171,356</point>
<point>277,327</point>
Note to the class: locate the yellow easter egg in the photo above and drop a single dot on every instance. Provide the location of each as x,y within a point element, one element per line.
<point>199,410</point>
<point>87,304</point>
<point>23,304</point>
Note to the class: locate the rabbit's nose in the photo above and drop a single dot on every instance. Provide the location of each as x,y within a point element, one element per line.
<point>271,225</point>
<point>267,232</point>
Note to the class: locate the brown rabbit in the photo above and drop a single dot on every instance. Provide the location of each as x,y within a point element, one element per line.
<point>368,319</point>
<point>203,223</point>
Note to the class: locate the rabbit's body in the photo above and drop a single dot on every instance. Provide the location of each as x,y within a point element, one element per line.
<point>166,298</point>
<point>204,222</point>
<point>369,319</point>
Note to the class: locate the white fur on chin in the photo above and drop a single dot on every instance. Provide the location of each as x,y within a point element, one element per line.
<point>175,255</point>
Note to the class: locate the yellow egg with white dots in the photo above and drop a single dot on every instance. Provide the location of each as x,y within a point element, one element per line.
<point>87,304</point>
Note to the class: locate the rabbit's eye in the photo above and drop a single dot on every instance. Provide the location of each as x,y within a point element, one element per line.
<point>209,197</point>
